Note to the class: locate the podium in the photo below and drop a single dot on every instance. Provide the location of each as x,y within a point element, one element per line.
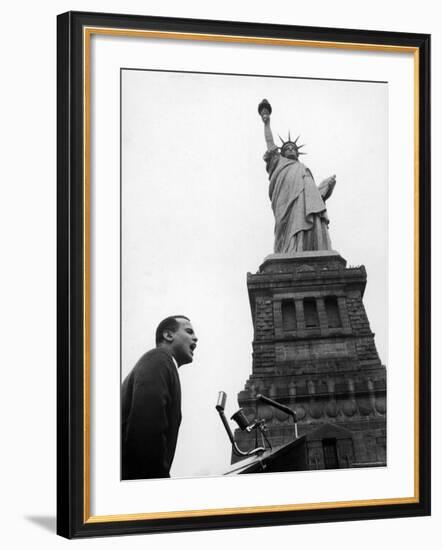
<point>286,458</point>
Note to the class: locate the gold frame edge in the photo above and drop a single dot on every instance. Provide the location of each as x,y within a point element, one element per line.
<point>87,33</point>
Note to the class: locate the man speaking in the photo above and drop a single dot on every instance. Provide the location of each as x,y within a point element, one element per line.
<point>151,402</point>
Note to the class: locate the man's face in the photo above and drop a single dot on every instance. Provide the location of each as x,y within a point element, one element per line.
<point>183,342</point>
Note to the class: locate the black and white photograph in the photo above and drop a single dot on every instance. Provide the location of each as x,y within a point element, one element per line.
<point>249,276</point>
<point>254,265</point>
<point>219,234</point>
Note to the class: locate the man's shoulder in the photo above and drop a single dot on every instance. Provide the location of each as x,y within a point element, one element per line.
<point>155,356</point>
<point>153,363</point>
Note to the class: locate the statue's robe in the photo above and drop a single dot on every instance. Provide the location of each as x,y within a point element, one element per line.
<point>301,221</point>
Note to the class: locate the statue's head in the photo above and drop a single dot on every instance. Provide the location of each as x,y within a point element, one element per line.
<point>290,149</point>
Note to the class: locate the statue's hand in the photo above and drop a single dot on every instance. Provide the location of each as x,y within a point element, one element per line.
<point>265,110</point>
<point>265,118</point>
<point>327,186</point>
<point>330,181</point>
<point>265,115</point>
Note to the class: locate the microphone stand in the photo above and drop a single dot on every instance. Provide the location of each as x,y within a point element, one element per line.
<point>282,408</point>
<point>220,408</point>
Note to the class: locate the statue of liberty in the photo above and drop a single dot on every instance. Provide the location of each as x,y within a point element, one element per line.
<point>301,221</point>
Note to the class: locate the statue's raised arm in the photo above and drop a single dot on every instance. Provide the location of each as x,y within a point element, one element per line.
<point>265,110</point>
<point>301,221</point>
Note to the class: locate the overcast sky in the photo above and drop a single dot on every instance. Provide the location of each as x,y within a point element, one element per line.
<point>196,217</point>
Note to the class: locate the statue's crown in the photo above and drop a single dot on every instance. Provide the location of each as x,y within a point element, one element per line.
<point>290,142</point>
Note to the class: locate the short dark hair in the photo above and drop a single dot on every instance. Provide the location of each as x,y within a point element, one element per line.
<point>169,323</point>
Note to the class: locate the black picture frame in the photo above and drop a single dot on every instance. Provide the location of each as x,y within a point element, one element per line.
<point>73,517</point>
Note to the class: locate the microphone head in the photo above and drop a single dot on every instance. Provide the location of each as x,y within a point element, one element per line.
<point>221,403</point>
<point>240,418</point>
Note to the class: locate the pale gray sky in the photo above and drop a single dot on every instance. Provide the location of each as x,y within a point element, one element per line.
<point>196,217</point>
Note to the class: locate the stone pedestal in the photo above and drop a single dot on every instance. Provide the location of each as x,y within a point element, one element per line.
<point>314,351</point>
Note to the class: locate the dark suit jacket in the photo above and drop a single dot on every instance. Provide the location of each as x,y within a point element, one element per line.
<point>151,416</point>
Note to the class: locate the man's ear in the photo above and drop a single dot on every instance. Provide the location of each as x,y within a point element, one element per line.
<point>168,335</point>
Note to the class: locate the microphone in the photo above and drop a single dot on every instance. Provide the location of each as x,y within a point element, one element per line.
<point>277,405</point>
<point>221,403</point>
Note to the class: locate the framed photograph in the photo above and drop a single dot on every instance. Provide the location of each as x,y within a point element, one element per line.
<point>243,274</point>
